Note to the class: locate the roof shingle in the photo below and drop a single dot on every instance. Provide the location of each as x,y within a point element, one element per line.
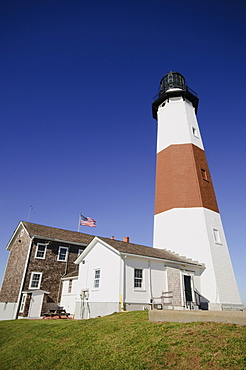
<point>121,246</point>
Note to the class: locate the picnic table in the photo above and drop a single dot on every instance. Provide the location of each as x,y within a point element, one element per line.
<point>56,314</point>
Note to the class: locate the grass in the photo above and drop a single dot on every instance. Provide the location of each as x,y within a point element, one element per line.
<point>121,341</point>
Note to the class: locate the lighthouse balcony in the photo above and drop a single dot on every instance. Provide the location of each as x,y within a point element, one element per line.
<point>185,92</point>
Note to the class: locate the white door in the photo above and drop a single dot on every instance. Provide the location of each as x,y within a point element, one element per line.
<point>36,304</point>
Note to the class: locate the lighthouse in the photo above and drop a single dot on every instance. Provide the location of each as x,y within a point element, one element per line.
<point>187,219</point>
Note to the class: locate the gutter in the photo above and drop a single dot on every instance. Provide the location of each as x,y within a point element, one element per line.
<point>57,240</point>
<point>194,264</point>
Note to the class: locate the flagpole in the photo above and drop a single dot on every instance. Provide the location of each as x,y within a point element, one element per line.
<point>29,212</point>
<point>79,221</point>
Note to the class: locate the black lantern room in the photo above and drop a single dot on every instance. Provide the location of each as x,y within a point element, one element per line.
<point>173,84</point>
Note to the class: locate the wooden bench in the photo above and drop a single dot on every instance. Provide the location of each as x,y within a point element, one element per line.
<point>165,300</point>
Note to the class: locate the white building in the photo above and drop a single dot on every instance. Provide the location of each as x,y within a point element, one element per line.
<point>118,275</point>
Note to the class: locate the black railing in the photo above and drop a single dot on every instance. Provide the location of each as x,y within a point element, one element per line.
<point>186,88</point>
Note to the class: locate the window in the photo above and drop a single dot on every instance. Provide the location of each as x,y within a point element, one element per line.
<point>40,251</point>
<point>138,278</point>
<point>35,280</point>
<point>194,132</point>
<point>97,278</point>
<point>204,174</point>
<point>23,302</point>
<point>70,284</point>
<point>62,254</point>
<point>217,236</point>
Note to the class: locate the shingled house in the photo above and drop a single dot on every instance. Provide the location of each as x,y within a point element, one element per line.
<point>39,257</point>
<point>50,267</point>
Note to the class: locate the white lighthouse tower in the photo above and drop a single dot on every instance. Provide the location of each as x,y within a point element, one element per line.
<point>187,218</point>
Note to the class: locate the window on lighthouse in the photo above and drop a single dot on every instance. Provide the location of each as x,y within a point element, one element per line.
<point>217,236</point>
<point>204,174</point>
<point>194,132</point>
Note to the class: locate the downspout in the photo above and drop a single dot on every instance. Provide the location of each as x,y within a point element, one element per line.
<point>65,273</point>
<point>122,284</point>
<point>150,284</point>
<point>23,277</point>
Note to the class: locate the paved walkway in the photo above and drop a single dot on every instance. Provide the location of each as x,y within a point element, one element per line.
<point>232,317</point>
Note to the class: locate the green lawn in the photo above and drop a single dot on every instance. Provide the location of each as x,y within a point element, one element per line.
<point>121,341</point>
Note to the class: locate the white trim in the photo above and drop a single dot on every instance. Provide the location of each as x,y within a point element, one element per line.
<point>216,235</point>
<point>191,275</point>
<point>39,281</point>
<point>80,251</point>
<point>172,262</point>
<point>138,288</point>
<point>195,132</point>
<point>58,256</point>
<point>122,254</point>
<point>19,227</point>
<point>38,244</point>
<point>70,278</point>
<point>70,286</point>
<point>23,275</point>
<point>91,245</point>
<point>23,303</point>
<point>96,279</point>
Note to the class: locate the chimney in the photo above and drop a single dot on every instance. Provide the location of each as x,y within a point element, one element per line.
<point>126,239</point>
<point>112,237</point>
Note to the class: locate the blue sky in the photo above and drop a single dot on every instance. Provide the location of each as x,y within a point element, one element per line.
<point>77,134</point>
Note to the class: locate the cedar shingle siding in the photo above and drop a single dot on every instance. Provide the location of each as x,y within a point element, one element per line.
<point>15,269</point>
<point>52,270</point>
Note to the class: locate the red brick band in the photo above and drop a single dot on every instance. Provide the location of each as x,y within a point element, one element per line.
<point>183,179</point>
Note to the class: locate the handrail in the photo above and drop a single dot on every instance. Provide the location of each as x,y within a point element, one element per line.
<point>187,88</point>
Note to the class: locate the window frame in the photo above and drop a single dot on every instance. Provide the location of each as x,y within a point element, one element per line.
<point>44,255</point>
<point>195,132</point>
<point>39,280</point>
<point>58,256</point>
<point>97,277</point>
<point>23,303</point>
<point>204,174</point>
<point>216,235</point>
<point>70,286</point>
<point>138,279</point>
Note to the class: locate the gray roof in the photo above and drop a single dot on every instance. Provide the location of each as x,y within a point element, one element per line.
<point>59,234</point>
<point>72,274</point>
<point>121,246</point>
<point>141,250</point>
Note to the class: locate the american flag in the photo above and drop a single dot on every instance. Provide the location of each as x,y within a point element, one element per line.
<point>87,221</point>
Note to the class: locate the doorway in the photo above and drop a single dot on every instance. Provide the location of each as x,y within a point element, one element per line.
<point>36,304</point>
<point>187,289</point>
